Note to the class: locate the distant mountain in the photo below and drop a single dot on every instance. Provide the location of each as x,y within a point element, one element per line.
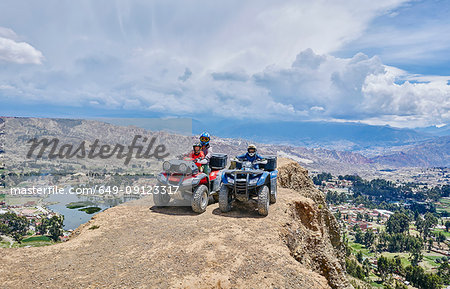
<point>330,135</point>
<point>412,149</point>
<point>430,153</point>
<point>72,131</point>
<point>443,130</point>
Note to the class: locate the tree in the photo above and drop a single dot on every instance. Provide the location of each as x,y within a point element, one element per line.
<point>424,225</point>
<point>13,225</point>
<point>359,236</point>
<point>440,237</point>
<point>383,267</point>
<point>397,223</point>
<point>55,227</point>
<point>430,244</point>
<point>415,253</point>
<point>359,257</point>
<point>447,225</point>
<point>444,272</point>
<point>52,226</point>
<point>369,238</point>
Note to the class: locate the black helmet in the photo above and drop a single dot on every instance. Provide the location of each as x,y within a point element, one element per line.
<point>197,145</point>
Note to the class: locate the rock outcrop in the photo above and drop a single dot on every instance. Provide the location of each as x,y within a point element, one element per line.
<point>313,236</point>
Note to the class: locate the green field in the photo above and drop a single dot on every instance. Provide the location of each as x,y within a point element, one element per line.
<point>358,247</point>
<point>36,238</point>
<point>35,241</point>
<point>2,197</point>
<point>444,205</point>
<point>446,234</point>
<point>404,257</point>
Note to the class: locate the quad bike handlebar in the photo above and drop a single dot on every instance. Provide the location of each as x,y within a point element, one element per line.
<point>255,162</point>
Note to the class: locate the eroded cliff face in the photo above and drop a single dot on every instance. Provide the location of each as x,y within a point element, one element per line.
<point>313,235</point>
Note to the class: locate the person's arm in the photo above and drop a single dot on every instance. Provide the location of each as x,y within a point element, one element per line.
<point>188,157</point>
<point>241,157</point>
<point>261,159</point>
<point>208,155</point>
<point>201,159</point>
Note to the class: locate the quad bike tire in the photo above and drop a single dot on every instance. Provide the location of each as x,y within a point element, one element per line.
<point>161,200</point>
<point>224,199</point>
<point>273,198</point>
<point>263,200</point>
<point>213,198</point>
<point>200,199</point>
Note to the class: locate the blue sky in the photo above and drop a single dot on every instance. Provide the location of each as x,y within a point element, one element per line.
<point>376,62</point>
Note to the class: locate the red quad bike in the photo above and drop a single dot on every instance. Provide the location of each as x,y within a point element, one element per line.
<point>181,180</point>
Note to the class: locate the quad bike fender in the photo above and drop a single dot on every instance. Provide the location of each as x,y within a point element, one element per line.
<point>214,174</point>
<point>201,179</point>
<point>273,182</point>
<point>265,177</point>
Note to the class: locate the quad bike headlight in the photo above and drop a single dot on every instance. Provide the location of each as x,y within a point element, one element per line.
<point>166,166</point>
<point>182,168</point>
<point>230,180</point>
<point>252,182</point>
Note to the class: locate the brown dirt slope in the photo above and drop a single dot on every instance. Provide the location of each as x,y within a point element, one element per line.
<point>296,246</point>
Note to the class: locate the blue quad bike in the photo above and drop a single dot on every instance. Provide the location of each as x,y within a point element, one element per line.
<point>246,183</point>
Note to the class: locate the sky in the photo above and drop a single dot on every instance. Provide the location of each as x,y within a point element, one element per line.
<point>383,62</point>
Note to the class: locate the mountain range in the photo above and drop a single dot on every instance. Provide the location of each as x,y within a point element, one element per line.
<point>374,148</point>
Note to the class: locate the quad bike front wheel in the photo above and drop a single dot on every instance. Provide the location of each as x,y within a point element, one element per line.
<point>200,199</point>
<point>224,199</point>
<point>161,199</point>
<point>263,200</point>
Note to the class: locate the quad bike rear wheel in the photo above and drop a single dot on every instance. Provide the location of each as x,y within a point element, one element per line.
<point>273,197</point>
<point>263,200</point>
<point>224,199</point>
<point>200,199</point>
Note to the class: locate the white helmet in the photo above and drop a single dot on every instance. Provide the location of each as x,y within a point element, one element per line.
<point>251,150</point>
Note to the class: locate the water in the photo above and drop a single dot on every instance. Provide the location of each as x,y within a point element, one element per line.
<point>73,218</point>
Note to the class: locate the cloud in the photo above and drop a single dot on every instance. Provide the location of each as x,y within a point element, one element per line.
<point>186,75</point>
<point>358,88</point>
<point>318,87</point>
<point>17,52</point>
<point>230,76</point>
<point>240,59</point>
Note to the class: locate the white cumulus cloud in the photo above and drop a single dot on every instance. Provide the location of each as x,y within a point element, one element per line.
<point>12,50</point>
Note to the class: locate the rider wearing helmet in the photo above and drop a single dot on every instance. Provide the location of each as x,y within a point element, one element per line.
<point>251,155</point>
<point>197,156</point>
<point>206,149</point>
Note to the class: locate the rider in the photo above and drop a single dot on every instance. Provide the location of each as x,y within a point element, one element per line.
<point>206,149</point>
<point>197,156</point>
<point>251,156</point>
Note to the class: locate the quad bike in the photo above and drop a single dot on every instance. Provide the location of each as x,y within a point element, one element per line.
<point>182,180</point>
<point>246,183</point>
